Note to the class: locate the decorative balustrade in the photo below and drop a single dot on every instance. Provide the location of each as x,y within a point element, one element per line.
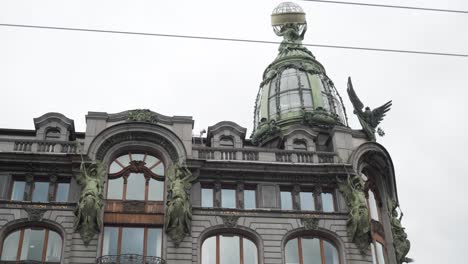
<point>129,259</point>
<point>45,146</point>
<point>267,155</point>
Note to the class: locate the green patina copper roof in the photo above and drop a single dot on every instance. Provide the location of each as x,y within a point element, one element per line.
<point>295,87</point>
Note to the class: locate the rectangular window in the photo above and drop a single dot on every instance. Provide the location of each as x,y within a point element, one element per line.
<point>207,197</point>
<point>250,201</point>
<point>286,200</point>
<point>111,238</point>
<point>61,195</point>
<point>41,191</point>
<point>372,203</point>
<point>18,191</point>
<point>228,198</point>
<point>132,240</point>
<point>328,203</point>
<point>307,201</point>
<point>154,242</point>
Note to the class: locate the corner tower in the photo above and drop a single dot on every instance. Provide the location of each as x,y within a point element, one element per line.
<point>295,88</point>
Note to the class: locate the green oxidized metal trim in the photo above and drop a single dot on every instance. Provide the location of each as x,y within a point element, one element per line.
<point>400,242</point>
<point>142,115</point>
<point>88,212</point>
<point>179,210</point>
<point>321,118</point>
<point>358,219</point>
<point>264,131</point>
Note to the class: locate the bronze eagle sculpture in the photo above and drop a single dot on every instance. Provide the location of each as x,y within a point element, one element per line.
<point>368,118</point>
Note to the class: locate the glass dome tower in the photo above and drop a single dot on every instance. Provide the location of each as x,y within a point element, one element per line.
<point>295,88</point>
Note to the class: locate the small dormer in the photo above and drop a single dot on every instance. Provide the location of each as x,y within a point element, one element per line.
<point>300,138</point>
<point>226,134</point>
<point>54,126</point>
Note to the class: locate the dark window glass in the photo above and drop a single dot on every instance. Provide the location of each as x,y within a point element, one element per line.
<point>226,142</point>
<point>53,133</point>
<point>327,202</point>
<point>286,200</point>
<point>229,249</point>
<point>33,244</point>
<point>308,250</point>
<point>299,145</point>
<point>41,191</point>
<point>307,201</point>
<point>207,197</point>
<point>228,198</point>
<point>109,245</point>
<point>249,199</point>
<point>62,192</point>
<point>18,191</point>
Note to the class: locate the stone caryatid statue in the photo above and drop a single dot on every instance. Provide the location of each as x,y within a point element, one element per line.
<point>88,212</point>
<point>368,118</point>
<point>358,218</point>
<point>400,241</point>
<point>179,210</point>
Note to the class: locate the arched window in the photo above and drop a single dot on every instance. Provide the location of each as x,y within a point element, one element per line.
<point>32,244</point>
<point>229,249</point>
<point>136,177</point>
<point>311,250</point>
<point>53,133</point>
<point>299,144</point>
<point>226,141</point>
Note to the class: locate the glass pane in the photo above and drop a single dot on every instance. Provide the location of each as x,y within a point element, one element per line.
<point>115,188</point>
<point>229,249</point>
<point>154,242</point>
<point>33,244</point>
<point>250,252</point>
<point>115,167</point>
<point>207,197</point>
<point>124,160</point>
<point>10,246</point>
<point>307,201</point>
<point>209,251</point>
<point>374,259</point>
<point>286,201</point>
<point>132,240</point>
<point>136,186</point>
<point>138,157</point>
<point>249,199</point>
<point>156,190</point>
<point>292,252</point>
<point>272,107</point>
<point>228,198</point>
<point>159,169</point>
<point>304,80</point>
<point>62,192</point>
<point>307,97</point>
<point>290,100</point>
<point>111,237</point>
<point>326,103</point>
<point>311,251</point>
<point>380,253</point>
<point>373,206</point>
<point>41,191</point>
<point>54,247</point>
<point>327,202</point>
<point>331,253</point>
<point>150,161</point>
<point>289,80</point>
<point>18,191</point>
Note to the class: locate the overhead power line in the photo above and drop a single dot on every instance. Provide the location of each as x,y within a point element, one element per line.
<point>233,40</point>
<point>391,6</point>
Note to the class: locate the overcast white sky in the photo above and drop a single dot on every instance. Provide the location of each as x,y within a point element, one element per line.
<point>77,72</point>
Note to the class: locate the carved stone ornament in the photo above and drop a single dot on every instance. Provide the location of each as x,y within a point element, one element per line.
<point>310,223</point>
<point>142,115</point>
<point>35,214</point>
<point>265,130</point>
<point>134,206</point>
<point>230,220</point>
<point>400,238</point>
<point>178,221</point>
<point>321,118</point>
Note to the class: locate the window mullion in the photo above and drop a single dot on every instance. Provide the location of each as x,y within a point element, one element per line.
<point>145,238</point>
<point>299,246</point>
<point>44,248</point>
<point>241,249</point>
<point>119,241</point>
<point>322,251</point>
<point>217,250</point>
<point>124,193</point>
<point>20,244</point>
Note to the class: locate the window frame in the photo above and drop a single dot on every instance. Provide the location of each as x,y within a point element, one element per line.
<point>45,242</point>
<point>29,187</point>
<point>322,250</point>
<point>136,167</point>
<point>218,248</point>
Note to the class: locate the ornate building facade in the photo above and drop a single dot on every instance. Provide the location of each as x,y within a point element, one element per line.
<point>137,187</point>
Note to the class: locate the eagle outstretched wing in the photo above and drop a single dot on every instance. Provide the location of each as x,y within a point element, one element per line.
<point>379,113</point>
<point>358,105</point>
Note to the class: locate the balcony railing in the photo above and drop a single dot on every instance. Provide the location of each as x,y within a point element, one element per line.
<point>45,146</point>
<point>129,259</point>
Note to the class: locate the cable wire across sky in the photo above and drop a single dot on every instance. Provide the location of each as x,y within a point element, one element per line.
<point>235,40</point>
<point>390,6</point>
